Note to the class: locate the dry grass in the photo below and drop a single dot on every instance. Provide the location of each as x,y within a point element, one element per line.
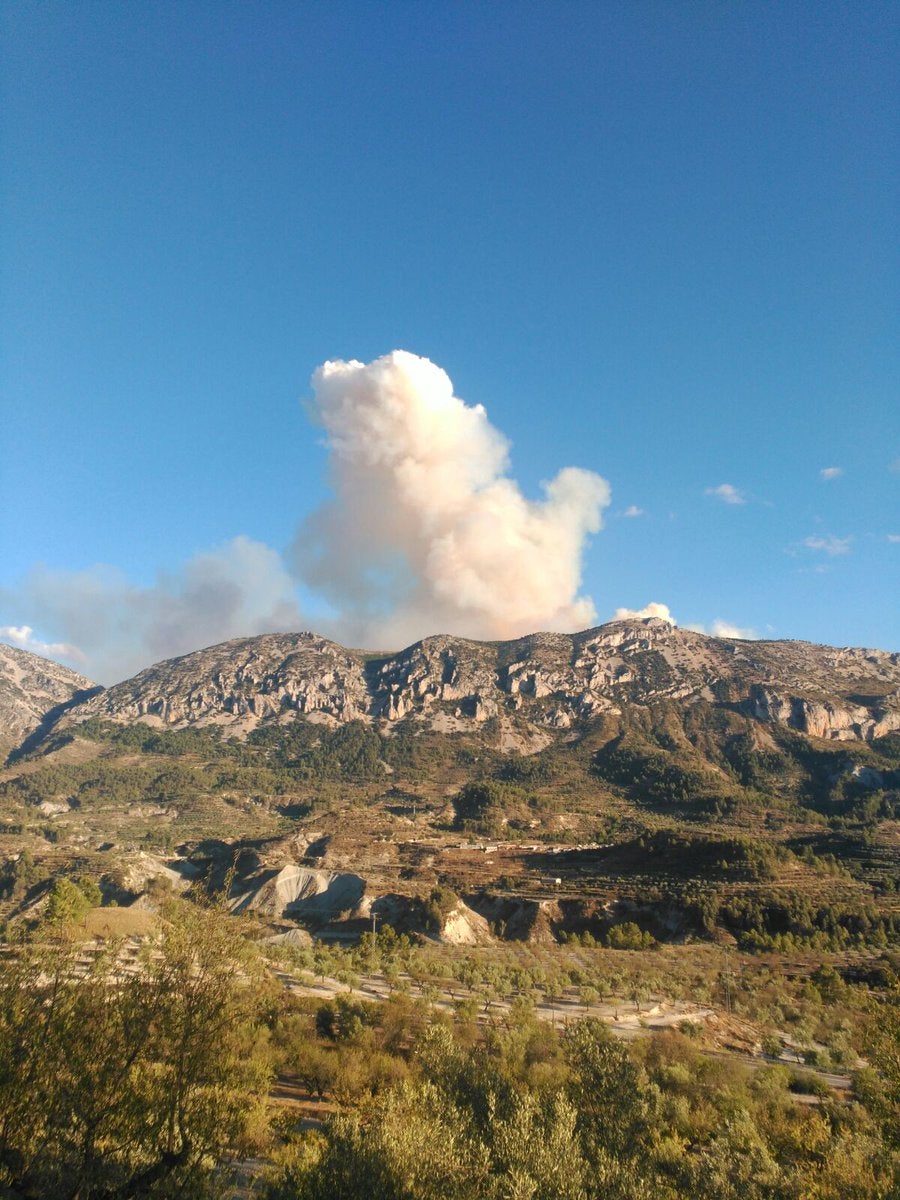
<point>120,922</point>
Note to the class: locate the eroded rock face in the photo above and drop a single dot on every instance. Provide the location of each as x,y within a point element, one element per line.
<point>296,891</point>
<point>543,681</point>
<point>465,927</point>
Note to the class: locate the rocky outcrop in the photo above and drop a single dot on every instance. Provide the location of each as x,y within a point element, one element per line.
<point>244,681</point>
<point>518,919</point>
<point>825,718</point>
<point>541,682</point>
<point>462,926</point>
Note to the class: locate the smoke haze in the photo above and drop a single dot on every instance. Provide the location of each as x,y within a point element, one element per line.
<point>113,628</point>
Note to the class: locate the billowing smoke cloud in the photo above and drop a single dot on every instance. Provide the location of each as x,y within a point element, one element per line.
<point>113,628</point>
<point>426,532</point>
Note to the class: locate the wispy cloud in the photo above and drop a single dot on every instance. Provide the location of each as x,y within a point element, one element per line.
<point>23,637</point>
<point>893,537</point>
<point>116,627</point>
<point>831,473</point>
<point>727,493</point>
<point>830,545</point>
<point>633,511</point>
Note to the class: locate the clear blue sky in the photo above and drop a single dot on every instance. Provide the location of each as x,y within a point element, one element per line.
<point>654,240</point>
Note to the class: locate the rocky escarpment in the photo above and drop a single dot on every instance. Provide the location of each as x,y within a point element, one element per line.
<point>825,719</point>
<point>545,681</point>
<point>31,688</point>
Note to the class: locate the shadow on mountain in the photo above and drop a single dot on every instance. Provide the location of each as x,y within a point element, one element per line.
<point>49,719</point>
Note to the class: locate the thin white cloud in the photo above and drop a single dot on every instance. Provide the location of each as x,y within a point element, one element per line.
<point>830,545</point>
<point>725,629</point>
<point>831,473</point>
<point>727,493</point>
<point>653,609</point>
<point>23,637</point>
<point>633,511</point>
<point>893,537</point>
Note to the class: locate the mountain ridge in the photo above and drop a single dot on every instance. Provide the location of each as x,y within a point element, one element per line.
<point>546,682</point>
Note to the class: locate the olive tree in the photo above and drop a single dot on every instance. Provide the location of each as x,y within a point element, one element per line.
<point>125,1077</point>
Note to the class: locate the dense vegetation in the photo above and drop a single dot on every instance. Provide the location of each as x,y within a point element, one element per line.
<point>780,844</point>
<point>519,1111</point>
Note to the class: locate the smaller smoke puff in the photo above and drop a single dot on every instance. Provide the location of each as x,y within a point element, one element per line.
<point>426,531</point>
<point>23,637</point>
<point>718,628</point>
<point>653,609</point>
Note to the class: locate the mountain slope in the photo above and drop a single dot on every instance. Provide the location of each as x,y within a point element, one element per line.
<point>30,688</point>
<point>554,784</point>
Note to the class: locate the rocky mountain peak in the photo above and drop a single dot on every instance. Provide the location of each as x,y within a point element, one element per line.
<point>544,681</point>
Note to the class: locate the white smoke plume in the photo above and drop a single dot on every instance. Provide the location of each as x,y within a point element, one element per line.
<point>724,629</point>
<point>718,628</point>
<point>114,628</point>
<point>426,533</point>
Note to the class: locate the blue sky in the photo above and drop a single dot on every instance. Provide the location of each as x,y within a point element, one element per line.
<point>654,241</point>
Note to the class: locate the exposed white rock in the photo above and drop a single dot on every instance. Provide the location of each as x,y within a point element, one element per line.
<point>465,927</point>
<point>299,891</point>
